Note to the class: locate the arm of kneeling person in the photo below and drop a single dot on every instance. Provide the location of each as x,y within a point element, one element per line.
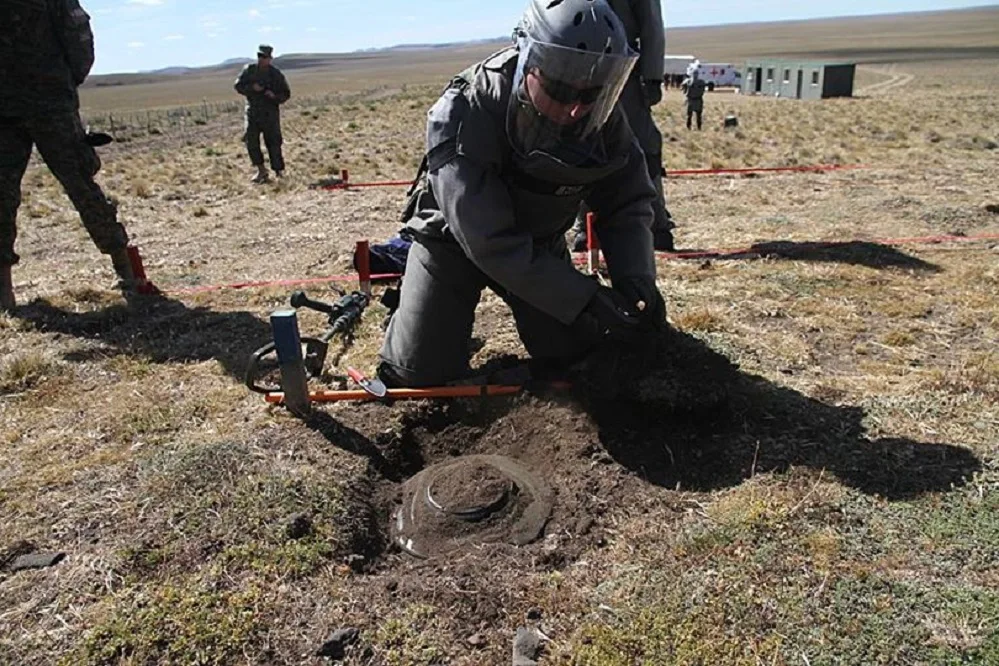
<point>479,214</point>
<point>623,205</point>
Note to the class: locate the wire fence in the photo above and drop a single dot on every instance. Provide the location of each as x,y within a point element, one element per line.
<point>128,123</point>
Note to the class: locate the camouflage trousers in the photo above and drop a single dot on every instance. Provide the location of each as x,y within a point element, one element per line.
<point>270,127</point>
<point>60,140</point>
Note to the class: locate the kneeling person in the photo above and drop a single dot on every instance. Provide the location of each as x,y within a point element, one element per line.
<point>513,146</point>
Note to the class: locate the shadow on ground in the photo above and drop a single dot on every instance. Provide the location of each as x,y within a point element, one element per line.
<point>697,422</point>
<point>674,411</point>
<point>856,253</point>
<point>160,329</point>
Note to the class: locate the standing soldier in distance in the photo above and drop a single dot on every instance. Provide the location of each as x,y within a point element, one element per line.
<point>695,96</point>
<point>46,52</point>
<point>643,24</point>
<point>265,89</point>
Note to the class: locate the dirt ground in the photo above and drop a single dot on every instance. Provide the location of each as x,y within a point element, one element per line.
<point>804,471</point>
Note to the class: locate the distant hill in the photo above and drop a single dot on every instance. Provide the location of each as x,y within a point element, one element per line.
<point>878,38</point>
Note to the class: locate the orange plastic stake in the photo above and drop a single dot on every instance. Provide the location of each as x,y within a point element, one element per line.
<point>143,285</point>
<point>362,256</point>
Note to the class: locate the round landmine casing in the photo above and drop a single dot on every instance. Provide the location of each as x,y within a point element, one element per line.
<point>469,501</point>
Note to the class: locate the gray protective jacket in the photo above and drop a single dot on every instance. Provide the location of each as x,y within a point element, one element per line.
<point>46,51</point>
<point>509,213</point>
<point>258,104</point>
<point>695,89</point>
<point>643,23</point>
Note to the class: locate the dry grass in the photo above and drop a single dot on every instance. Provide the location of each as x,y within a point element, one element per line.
<point>130,443</point>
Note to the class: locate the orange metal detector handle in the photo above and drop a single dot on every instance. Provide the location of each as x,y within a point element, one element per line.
<point>482,390</point>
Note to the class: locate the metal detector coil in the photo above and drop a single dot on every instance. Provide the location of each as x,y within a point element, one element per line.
<point>342,316</point>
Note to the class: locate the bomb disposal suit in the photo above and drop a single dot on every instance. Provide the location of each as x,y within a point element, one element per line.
<point>514,145</point>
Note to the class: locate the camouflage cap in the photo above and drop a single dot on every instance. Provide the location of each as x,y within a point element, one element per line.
<point>265,51</point>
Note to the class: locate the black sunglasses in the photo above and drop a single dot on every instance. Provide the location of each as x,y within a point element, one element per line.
<point>563,93</point>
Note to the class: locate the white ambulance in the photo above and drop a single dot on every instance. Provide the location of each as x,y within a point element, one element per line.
<point>720,75</point>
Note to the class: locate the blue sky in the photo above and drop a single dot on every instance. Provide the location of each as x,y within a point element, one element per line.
<point>134,35</point>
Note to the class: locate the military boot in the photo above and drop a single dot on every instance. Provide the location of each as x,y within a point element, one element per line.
<point>123,269</point>
<point>7,301</point>
<point>261,176</point>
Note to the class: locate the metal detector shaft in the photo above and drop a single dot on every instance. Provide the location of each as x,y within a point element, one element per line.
<point>482,390</point>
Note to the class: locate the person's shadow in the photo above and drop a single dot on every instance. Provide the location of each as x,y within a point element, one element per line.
<point>857,253</point>
<point>705,425</point>
<point>159,329</point>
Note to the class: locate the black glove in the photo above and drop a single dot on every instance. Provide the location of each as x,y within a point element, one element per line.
<point>607,316</point>
<point>654,91</point>
<point>643,289</point>
<point>98,139</point>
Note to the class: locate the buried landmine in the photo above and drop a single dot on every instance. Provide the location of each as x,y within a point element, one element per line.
<point>470,500</point>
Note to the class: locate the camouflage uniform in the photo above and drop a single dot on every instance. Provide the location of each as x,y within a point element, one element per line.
<point>263,114</point>
<point>643,23</point>
<point>46,51</point>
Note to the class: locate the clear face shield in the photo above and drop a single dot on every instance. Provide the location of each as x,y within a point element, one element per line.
<point>562,97</point>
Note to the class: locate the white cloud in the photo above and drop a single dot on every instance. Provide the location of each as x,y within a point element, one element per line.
<point>312,29</point>
<point>147,3</point>
<point>173,38</point>
<point>269,29</point>
<point>136,45</point>
<point>254,13</point>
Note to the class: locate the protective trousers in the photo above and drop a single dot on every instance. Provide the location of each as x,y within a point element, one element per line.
<point>270,127</point>
<point>61,141</point>
<point>427,341</point>
<point>636,108</point>
<point>694,106</point>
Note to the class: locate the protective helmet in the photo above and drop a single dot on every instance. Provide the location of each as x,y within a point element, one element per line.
<point>573,62</point>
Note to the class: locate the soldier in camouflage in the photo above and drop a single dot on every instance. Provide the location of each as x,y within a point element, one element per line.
<point>265,89</point>
<point>643,24</point>
<point>46,52</point>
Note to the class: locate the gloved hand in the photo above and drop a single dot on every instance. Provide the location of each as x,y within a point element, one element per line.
<point>607,316</point>
<point>644,290</point>
<point>653,91</point>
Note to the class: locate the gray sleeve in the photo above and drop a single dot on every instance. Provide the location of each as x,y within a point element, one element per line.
<point>72,26</point>
<point>479,215</point>
<point>623,204</point>
<point>653,38</point>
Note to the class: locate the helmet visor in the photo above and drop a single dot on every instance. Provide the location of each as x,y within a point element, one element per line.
<point>562,94</point>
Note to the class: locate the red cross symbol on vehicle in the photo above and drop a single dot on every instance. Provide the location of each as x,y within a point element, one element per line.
<point>714,71</point>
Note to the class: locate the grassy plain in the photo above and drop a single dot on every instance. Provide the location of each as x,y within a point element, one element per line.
<point>131,444</point>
